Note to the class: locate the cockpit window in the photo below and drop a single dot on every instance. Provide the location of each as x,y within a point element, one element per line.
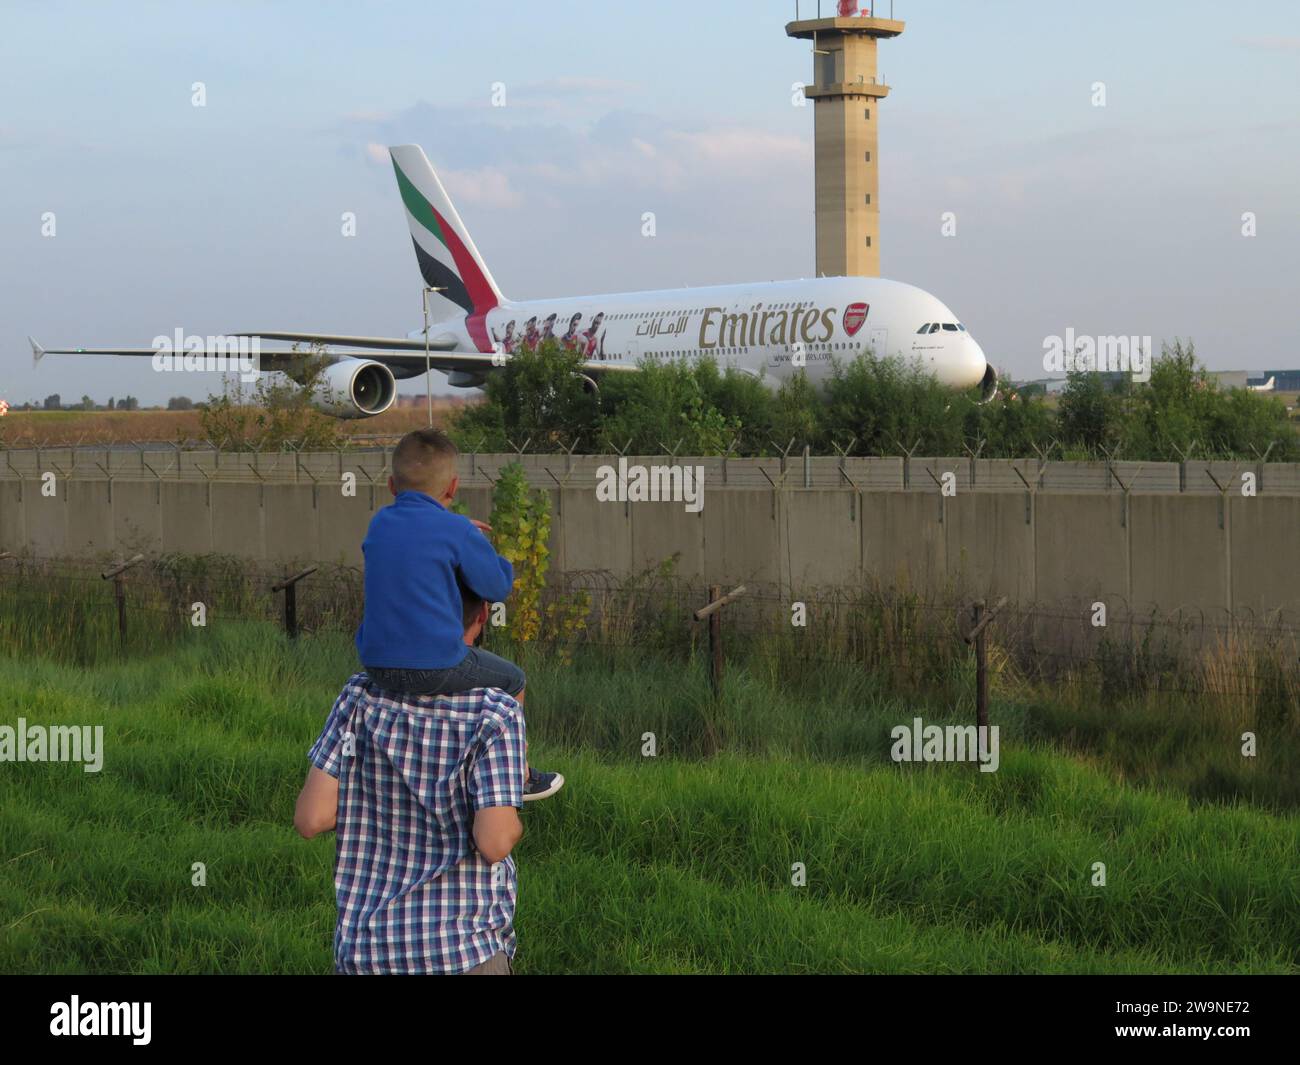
<point>934,327</point>
<point>924,329</point>
<point>949,327</point>
<point>961,327</point>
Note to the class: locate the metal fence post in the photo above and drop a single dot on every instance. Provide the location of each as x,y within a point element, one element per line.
<point>713,612</point>
<point>290,588</point>
<point>118,575</point>
<point>980,618</point>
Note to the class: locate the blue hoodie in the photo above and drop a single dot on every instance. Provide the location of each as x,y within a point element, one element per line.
<point>415,549</point>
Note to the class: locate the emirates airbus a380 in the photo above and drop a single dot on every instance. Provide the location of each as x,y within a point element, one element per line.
<point>768,329</point>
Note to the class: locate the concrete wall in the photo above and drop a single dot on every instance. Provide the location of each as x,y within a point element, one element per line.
<point>1210,555</point>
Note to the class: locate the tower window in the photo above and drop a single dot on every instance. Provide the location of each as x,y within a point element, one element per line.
<point>868,242</point>
<point>868,199</point>
<point>868,157</point>
<point>866,113</point>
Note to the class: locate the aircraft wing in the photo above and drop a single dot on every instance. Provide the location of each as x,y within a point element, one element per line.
<point>468,360</point>
<point>383,343</point>
<point>409,354</point>
<point>394,352</point>
<point>270,360</point>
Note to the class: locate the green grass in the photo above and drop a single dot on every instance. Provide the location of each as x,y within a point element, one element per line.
<point>678,863</point>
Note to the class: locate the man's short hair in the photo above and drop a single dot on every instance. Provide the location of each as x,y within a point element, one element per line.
<point>424,461</point>
<point>470,604</point>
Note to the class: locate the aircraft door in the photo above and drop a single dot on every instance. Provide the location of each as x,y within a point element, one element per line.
<point>878,341</point>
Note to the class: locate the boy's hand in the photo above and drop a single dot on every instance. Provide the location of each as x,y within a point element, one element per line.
<point>481,526</point>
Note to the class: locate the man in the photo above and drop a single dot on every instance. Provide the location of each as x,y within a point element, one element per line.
<point>570,339</point>
<point>531,336</point>
<point>548,330</point>
<point>508,341</point>
<point>422,792</point>
<point>594,337</point>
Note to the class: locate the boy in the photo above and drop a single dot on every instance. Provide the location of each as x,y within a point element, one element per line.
<point>418,553</point>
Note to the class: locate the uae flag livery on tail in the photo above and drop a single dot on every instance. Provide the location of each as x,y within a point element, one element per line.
<point>448,260</point>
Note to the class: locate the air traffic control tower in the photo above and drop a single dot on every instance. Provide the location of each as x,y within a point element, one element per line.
<point>846,92</point>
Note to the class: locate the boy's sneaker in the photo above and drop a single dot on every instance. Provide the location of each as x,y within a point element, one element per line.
<point>541,785</point>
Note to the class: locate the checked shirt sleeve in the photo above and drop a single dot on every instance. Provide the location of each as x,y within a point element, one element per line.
<point>497,778</point>
<point>327,752</point>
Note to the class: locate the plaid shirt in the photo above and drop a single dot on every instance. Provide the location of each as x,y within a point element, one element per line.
<point>414,896</point>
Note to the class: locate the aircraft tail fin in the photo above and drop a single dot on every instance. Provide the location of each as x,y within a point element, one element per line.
<point>445,251</point>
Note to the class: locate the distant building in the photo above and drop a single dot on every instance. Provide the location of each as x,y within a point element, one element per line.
<point>1283,380</point>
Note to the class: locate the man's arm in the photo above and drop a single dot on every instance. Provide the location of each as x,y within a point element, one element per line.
<point>496,830</point>
<point>318,805</point>
<point>486,573</point>
<point>496,783</point>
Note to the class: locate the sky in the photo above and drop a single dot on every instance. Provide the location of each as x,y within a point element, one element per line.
<point>1123,219</point>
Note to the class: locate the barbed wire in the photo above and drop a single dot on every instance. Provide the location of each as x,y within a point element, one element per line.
<point>901,469</point>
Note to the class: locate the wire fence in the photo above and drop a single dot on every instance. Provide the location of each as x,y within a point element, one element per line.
<point>48,606</point>
<point>369,462</point>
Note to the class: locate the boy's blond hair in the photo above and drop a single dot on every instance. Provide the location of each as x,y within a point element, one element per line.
<point>424,461</point>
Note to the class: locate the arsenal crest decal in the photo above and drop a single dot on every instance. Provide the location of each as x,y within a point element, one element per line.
<point>854,315</point>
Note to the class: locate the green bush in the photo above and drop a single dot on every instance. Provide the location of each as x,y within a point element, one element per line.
<point>889,405</point>
<point>882,406</point>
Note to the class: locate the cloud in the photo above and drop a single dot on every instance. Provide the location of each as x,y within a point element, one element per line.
<point>567,93</point>
<point>741,147</point>
<point>510,160</point>
<point>564,195</point>
<point>1271,43</point>
<point>577,86</point>
<point>364,115</point>
<point>573,97</point>
<point>486,187</point>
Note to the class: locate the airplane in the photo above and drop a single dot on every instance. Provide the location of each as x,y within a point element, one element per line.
<point>770,330</point>
<point>1267,386</point>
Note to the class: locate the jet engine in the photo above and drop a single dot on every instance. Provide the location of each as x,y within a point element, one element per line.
<point>989,385</point>
<point>354,388</point>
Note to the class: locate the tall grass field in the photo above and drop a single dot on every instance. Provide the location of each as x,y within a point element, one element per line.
<point>769,833</point>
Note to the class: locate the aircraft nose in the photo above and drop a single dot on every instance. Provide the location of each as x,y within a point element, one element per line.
<point>967,364</point>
